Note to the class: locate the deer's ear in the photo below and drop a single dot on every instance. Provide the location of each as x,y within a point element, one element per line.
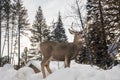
<point>71,32</point>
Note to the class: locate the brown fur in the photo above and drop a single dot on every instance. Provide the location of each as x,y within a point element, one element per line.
<point>59,52</point>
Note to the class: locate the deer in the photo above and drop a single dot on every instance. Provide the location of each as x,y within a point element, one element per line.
<point>60,51</point>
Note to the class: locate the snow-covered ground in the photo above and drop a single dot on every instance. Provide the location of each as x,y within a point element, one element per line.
<point>75,72</point>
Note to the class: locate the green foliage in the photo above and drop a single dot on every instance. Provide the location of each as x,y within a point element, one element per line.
<point>102,30</point>
<point>59,32</point>
<point>39,29</point>
<point>21,12</point>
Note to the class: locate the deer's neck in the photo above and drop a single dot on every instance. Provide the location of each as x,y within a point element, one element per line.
<point>78,43</point>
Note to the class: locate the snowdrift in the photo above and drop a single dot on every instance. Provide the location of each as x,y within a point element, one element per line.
<point>75,72</point>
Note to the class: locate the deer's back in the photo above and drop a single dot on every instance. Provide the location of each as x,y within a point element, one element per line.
<point>58,51</point>
<point>47,48</point>
<point>64,49</point>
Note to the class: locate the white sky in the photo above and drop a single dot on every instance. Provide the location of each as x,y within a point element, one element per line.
<point>50,10</point>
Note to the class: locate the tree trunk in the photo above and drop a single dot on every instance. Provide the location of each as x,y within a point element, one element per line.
<point>0,31</point>
<point>104,50</point>
<point>11,44</point>
<point>4,42</point>
<point>8,37</point>
<point>79,13</point>
<point>18,45</point>
<point>102,27</point>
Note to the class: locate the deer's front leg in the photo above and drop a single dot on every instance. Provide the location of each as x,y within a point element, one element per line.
<point>67,61</point>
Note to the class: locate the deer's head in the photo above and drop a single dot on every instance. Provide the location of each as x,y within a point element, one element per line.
<point>78,35</point>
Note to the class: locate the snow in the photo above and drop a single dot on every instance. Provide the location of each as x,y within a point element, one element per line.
<point>75,72</point>
<point>7,72</point>
<point>23,73</point>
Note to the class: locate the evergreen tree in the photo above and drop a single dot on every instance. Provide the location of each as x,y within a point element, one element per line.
<point>59,32</point>
<point>22,21</point>
<point>39,29</point>
<point>7,10</point>
<point>100,18</point>
<point>111,12</point>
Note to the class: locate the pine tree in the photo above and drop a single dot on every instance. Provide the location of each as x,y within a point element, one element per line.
<point>7,12</point>
<point>94,33</point>
<point>103,25</point>
<point>111,10</point>
<point>39,29</point>
<point>22,21</point>
<point>59,32</point>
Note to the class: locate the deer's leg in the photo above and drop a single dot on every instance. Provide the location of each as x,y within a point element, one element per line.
<point>47,67</point>
<point>42,66</point>
<point>67,62</point>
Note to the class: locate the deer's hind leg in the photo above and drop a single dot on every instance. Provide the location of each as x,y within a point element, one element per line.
<point>47,66</point>
<point>67,61</point>
<point>43,66</point>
